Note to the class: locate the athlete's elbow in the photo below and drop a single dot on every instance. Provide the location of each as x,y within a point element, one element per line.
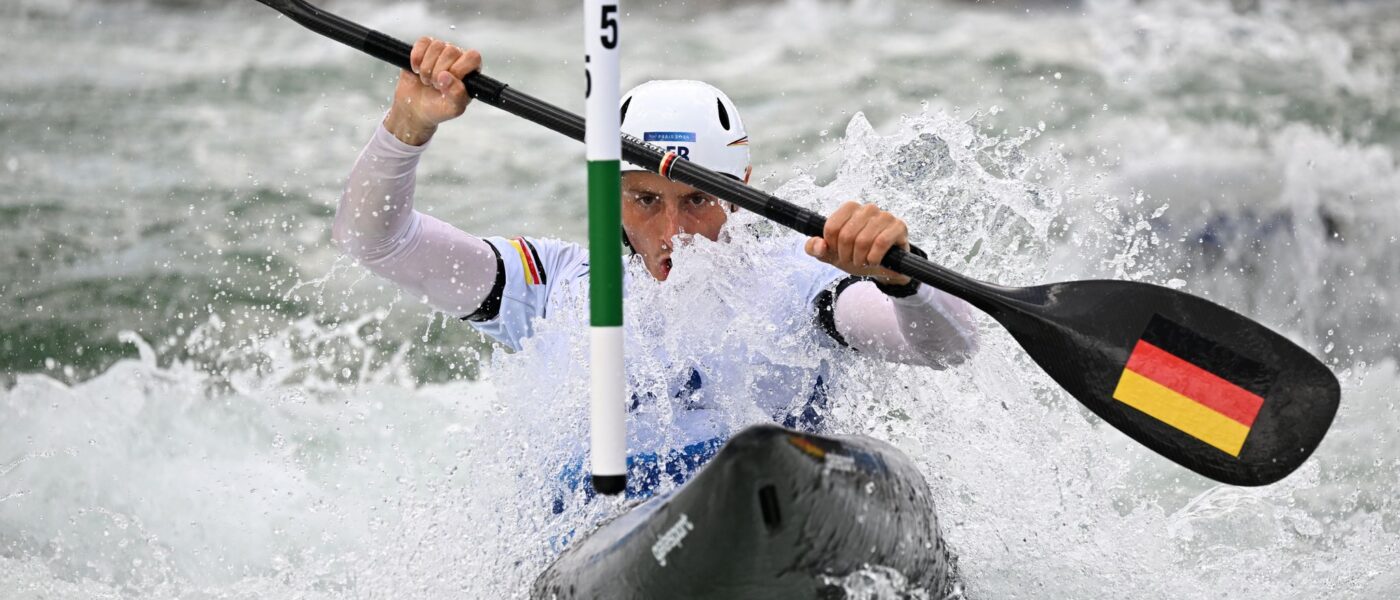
<point>962,338</point>
<point>964,346</point>
<point>955,349</point>
<point>345,237</point>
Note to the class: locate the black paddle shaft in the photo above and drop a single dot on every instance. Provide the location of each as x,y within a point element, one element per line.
<point>648,156</point>
<point>1200,384</point>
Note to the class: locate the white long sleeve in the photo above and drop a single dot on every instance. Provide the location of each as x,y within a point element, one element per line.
<point>375,223</point>
<point>930,328</point>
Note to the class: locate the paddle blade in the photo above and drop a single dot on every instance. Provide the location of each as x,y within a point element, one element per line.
<point>1200,384</point>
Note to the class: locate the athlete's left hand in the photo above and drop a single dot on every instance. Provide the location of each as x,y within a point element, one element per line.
<point>856,238</point>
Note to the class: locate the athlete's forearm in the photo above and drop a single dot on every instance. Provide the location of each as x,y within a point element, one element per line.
<point>928,328</point>
<point>407,127</point>
<point>375,223</point>
<point>376,207</point>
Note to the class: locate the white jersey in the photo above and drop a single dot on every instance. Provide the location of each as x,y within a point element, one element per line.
<point>535,272</point>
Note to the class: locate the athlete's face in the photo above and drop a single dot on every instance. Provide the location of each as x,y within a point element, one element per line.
<point>658,213</point>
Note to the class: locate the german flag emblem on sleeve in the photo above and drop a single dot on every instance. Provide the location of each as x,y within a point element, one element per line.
<point>530,263</point>
<point>1194,385</point>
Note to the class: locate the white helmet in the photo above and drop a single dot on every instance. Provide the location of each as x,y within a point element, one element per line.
<point>692,118</point>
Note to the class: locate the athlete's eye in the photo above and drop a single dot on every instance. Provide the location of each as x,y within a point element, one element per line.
<point>698,199</point>
<point>645,199</point>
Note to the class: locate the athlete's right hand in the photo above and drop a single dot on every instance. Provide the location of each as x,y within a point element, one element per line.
<point>433,92</point>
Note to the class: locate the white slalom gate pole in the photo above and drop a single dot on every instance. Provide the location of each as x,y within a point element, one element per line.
<point>602,135</point>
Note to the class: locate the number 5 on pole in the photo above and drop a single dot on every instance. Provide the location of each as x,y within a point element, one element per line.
<point>608,428</point>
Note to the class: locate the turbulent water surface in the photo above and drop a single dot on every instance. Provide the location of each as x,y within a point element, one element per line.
<point>199,399</point>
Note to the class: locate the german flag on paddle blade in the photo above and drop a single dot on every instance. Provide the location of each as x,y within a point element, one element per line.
<point>1194,385</point>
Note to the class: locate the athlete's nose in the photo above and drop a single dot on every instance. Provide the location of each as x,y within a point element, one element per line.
<point>673,222</point>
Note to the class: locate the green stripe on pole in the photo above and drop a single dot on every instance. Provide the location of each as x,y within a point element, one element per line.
<point>605,242</point>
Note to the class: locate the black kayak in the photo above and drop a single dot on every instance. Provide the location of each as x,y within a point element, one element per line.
<point>776,514</point>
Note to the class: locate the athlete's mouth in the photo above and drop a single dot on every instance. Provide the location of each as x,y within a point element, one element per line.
<point>665,266</point>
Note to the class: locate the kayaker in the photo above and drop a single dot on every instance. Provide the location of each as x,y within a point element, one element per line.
<point>501,286</point>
